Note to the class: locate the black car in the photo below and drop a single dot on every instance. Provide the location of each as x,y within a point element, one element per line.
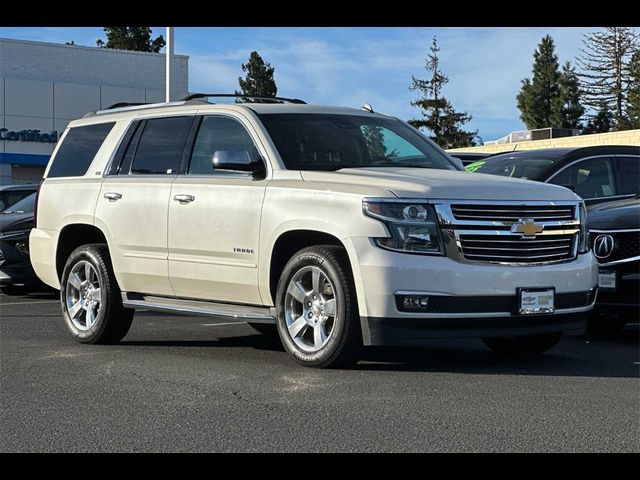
<point>614,229</point>
<point>469,157</point>
<point>598,174</point>
<point>16,273</point>
<point>11,194</point>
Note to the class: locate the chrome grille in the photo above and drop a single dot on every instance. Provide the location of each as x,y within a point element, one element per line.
<point>515,249</point>
<point>512,213</point>
<point>482,232</point>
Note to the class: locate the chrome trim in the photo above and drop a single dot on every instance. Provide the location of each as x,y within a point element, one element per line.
<point>418,292</point>
<point>617,262</point>
<point>15,233</point>
<point>199,307</point>
<point>494,314</point>
<point>628,230</point>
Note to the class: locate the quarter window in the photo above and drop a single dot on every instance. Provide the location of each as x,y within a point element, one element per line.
<point>79,147</point>
<point>161,145</point>
<point>592,178</point>
<point>222,136</point>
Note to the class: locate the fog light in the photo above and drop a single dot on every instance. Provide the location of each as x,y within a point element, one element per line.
<point>413,302</point>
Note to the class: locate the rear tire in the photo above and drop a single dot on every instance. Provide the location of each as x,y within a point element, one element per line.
<point>524,346</point>
<point>317,309</point>
<point>91,299</point>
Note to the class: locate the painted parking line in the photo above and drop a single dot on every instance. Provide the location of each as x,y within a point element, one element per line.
<point>34,301</point>
<point>220,324</point>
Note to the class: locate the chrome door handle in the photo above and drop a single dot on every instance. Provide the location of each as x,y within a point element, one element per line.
<point>184,198</point>
<point>113,196</point>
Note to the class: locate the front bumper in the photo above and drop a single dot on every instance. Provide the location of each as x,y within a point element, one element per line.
<point>626,296</point>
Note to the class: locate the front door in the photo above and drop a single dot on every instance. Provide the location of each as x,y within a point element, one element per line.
<point>214,218</point>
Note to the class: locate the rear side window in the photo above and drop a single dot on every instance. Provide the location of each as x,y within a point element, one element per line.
<point>161,145</point>
<point>79,147</point>
<point>629,174</point>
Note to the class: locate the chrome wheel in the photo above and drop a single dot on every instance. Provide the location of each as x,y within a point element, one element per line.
<point>82,295</point>
<point>310,309</point>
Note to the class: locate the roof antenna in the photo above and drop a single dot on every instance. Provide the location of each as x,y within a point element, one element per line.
<point>367,108</point>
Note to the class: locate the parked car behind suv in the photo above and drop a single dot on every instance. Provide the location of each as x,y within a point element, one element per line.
<point>11,194</point>
<point>615,238</point>
<point>598,174</point>
<point>342,227</point>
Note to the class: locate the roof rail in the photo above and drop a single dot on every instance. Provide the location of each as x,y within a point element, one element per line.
<point>124,104</point>
<point>126,107</point>
<point>196,96</point>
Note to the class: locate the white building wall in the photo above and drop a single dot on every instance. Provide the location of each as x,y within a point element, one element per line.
<point>44,86</point>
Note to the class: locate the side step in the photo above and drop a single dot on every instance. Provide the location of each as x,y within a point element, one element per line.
<point>242,313</point>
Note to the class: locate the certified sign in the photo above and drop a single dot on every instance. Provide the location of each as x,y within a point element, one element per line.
<point>28,136</point>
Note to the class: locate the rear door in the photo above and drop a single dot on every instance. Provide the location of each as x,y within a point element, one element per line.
<point>592,178</point>
<point>132,206</point>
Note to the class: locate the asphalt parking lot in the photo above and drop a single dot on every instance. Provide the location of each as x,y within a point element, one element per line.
<point>201,384</point>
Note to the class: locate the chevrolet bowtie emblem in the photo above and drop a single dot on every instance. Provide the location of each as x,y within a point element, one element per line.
<point>528,228</point>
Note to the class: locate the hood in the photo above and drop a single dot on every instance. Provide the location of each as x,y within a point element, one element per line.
<point>443,184</point>
<point>16,221</point>
<point>616,215</point>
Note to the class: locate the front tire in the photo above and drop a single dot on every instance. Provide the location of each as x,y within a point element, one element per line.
<point>91,299</point>
<point>524,346</point>
<point>317,310</point>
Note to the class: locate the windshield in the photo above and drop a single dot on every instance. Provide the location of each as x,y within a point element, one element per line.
<point>528,168</point>
<point>23,206</point>
<point>331,142</point>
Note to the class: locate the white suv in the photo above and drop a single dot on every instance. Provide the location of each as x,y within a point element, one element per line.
<point>340,227</point>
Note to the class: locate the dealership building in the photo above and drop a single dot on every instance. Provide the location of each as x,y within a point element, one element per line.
<point>43,86</point>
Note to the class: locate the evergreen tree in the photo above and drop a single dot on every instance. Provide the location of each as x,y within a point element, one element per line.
<point>602,122</point>
<point>605,75</point>
<point>438,115</point>
<point>569,99</point>
<point>633,93</point>
<point>258,81</point>
<point>131,38</point>
<point>539,101</point>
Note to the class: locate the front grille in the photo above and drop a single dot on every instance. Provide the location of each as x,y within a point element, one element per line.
<point>626,245</point>
<point>516,249</point>
<point>513,213</point>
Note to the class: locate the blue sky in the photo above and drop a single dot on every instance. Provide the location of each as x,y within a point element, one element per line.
<point>355,65</point>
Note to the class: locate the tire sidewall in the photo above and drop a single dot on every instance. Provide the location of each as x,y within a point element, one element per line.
<point>299,261</point>
<point>86,254</point>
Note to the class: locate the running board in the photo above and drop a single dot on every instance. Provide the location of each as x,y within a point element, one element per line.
<point>242,313</point>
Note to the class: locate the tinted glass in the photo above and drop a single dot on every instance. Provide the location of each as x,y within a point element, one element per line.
<point>79,147</point>
<point>629,174</point>
<point>160,148</point>
<point>332,142</point>
<point>23,206</point>
<point>529,168</point>
<point>592,178</point>
<point>220,134</point>
<point>7,199</point>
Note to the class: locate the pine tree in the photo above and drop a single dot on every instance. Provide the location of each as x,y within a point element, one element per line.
<point>571,108</point>
<point>131,38</point>
<point>539,100</point>
<point>605,75</point>
<point>602,122</point>
<point>633,93</point>
<point>259,80</point>
<point>438,115</point>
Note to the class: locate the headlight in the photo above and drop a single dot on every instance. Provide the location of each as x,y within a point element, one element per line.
<point>412,224</point>
<point>583,241</point>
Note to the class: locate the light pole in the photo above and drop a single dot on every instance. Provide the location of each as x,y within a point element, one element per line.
<point>169,64</point>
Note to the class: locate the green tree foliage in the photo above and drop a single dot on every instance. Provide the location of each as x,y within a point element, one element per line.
<point>605,74</point>
<point>539,100</point>
<point>259,79</point>
<point>601,122</point>
<point>633,93</point>
<point>131,38</point>
<point>438,115</point>
<point>571,109</point>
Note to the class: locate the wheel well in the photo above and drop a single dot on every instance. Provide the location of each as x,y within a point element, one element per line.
<point>71,237</point>
<point>288,244</point>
